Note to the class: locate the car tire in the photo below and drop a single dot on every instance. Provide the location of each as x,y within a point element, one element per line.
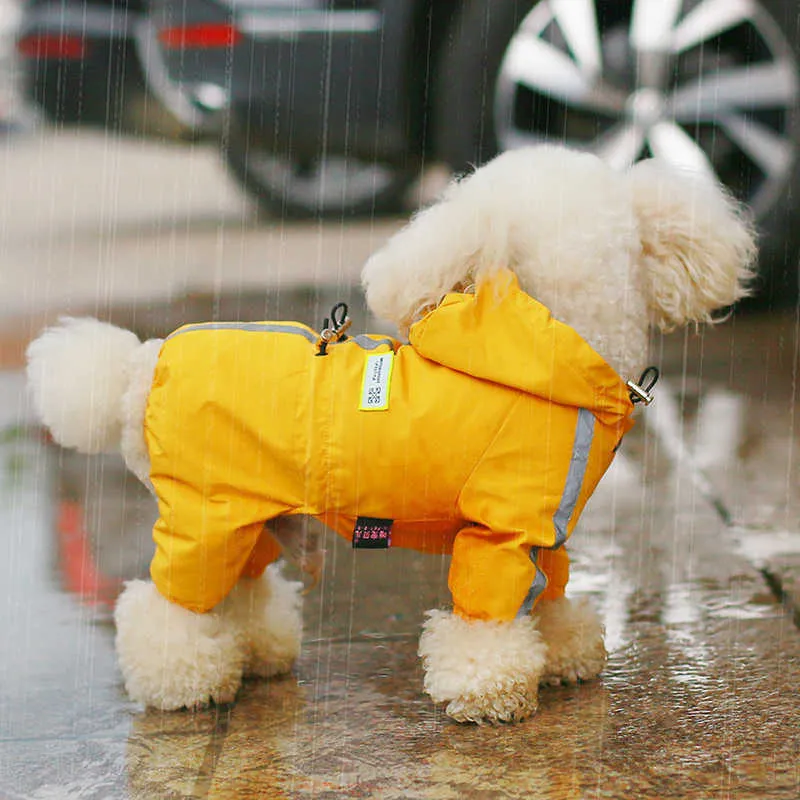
<point>475,111</point>
<point>333,187</point>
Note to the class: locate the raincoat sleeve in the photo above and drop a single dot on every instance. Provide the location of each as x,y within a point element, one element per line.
<point>490,574</point>
<point>521,503</point>
<point>499,577</point>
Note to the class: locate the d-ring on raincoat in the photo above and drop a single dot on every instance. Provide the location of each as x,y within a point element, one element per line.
<point>499,423</point>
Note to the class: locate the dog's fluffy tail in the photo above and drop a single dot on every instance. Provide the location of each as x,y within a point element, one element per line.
<point>78,372</point>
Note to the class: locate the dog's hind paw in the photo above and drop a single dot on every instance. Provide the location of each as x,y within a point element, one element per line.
<point>266,615</point>
<point>172,658</point>
<point>574,637</point>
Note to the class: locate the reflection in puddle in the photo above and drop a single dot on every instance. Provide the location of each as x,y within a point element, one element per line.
<point>614,610</point>
<point>749,611</point>
<point>760,546</point>
<point>693,660</point>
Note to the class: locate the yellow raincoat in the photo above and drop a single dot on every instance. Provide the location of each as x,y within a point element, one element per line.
<point>487,435</point>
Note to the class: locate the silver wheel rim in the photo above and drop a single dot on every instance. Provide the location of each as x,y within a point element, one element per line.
<point>663,79</point>
<point>335,182</point>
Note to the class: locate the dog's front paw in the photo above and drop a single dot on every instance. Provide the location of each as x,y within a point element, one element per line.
<point>172,658</point>
<point>485,671</point>
<point>494,705</point>
<point>574,636</point>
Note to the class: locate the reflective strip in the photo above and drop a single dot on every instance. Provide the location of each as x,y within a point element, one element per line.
<point>581,445</point>
<point>263,327</point>
<point>584,432</point>
<point>537,587</point>
<point>363,341</point>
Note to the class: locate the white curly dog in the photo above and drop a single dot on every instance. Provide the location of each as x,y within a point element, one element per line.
<point>609,254</point>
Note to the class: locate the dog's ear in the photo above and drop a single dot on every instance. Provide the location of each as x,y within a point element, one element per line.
<point>698,248</point>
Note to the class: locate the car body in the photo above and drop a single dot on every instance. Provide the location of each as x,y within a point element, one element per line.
<point>330,107</point>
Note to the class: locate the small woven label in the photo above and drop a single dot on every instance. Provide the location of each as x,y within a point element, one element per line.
<point>372,533</point>
<point>376,382</point>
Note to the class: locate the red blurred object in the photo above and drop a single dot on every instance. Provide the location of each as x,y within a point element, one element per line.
<point>53,46</point>
<point>78,567</point>
<point>202,36</point>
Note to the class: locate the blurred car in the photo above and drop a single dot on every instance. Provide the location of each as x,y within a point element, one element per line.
<point>330,107</point>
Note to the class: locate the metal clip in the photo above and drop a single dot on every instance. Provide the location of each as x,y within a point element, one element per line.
<point>334,328</point>
<point>641,393</point>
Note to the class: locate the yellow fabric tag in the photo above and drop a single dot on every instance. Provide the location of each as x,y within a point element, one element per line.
<point>376,382</point>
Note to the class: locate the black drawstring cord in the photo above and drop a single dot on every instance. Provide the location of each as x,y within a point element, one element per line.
<point>333,329</point>
<point>343,321</point>
<point>641,391</point>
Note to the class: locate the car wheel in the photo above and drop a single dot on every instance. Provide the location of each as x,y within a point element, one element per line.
<point>333,186</point>
<point>710,85</point>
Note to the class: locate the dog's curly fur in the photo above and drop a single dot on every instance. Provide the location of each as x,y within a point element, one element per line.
<point>610,254</point>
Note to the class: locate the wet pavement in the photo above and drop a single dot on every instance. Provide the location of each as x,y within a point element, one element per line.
<point>690,550</point>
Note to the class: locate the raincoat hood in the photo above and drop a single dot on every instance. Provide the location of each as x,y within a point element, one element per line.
<point>501,334</point>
